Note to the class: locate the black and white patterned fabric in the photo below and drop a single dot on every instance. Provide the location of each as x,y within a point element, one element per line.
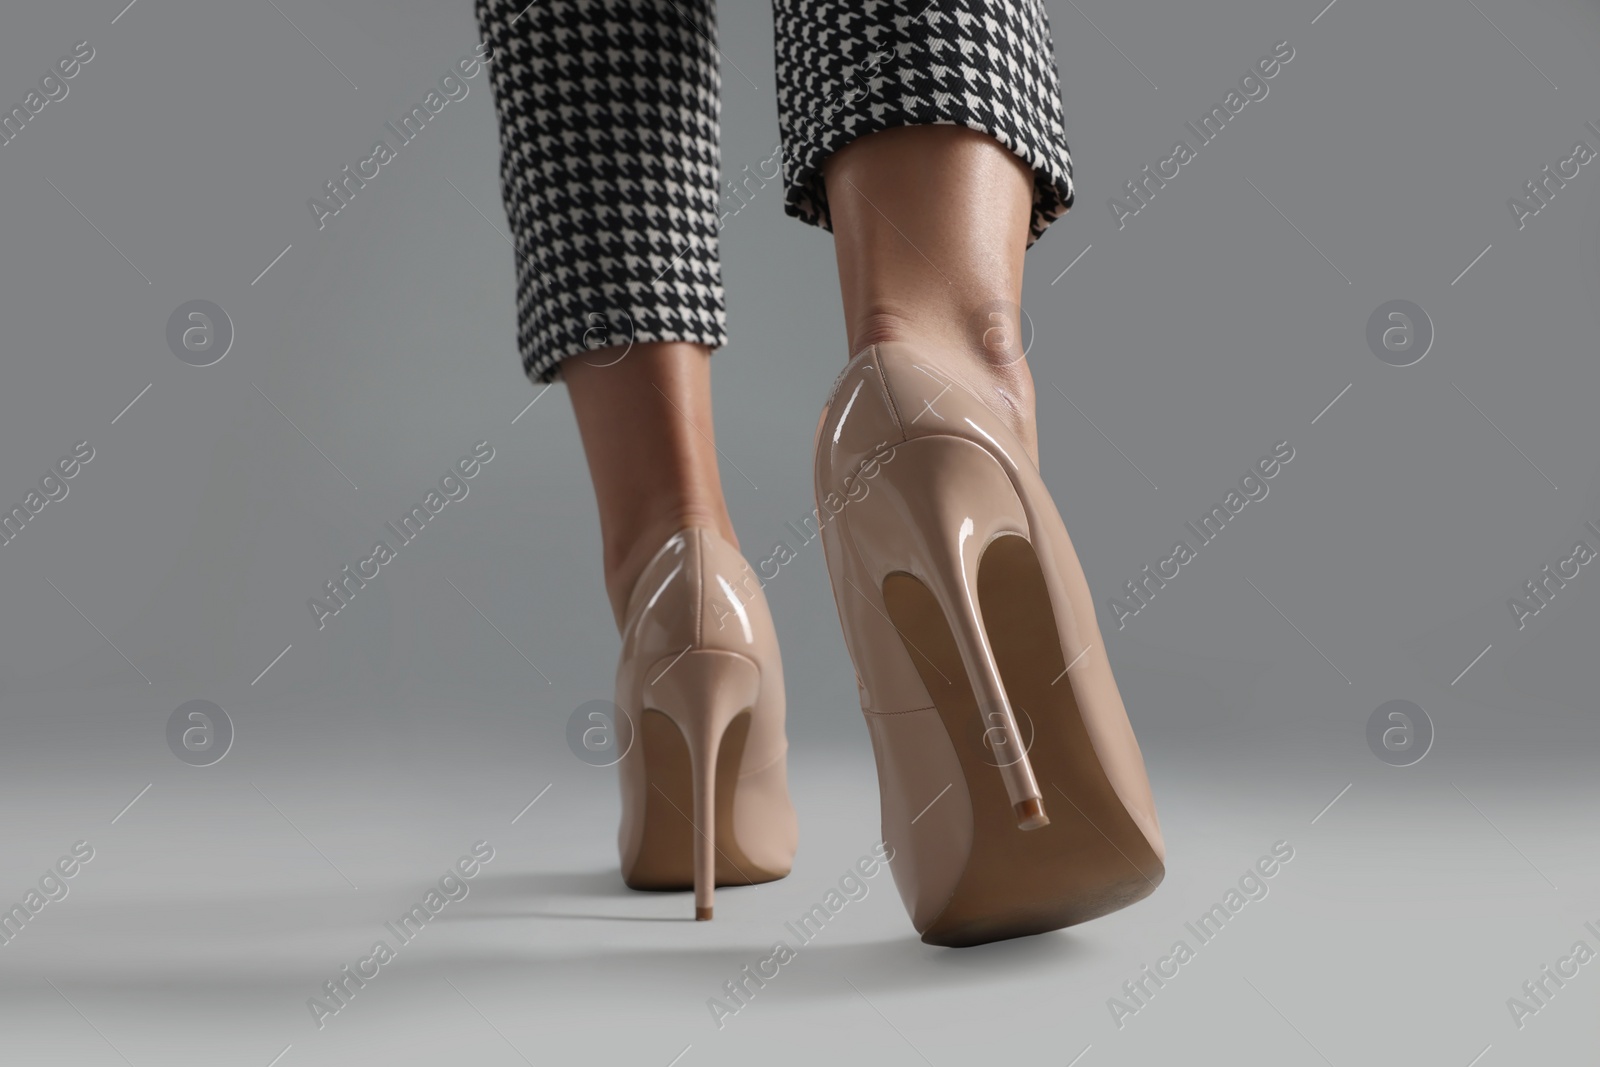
<point>847,68</point>
<point>610,166</point>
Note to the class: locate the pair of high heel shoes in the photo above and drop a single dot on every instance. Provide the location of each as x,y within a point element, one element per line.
<point>1014,796</point>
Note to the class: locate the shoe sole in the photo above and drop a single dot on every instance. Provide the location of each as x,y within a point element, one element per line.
<point>1091,859</point>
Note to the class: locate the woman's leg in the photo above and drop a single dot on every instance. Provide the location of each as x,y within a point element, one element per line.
<point>610,168</point>
<point>611,175</point>
<point>645,419</point>
<point>930,224</point>
<point>929,138</point>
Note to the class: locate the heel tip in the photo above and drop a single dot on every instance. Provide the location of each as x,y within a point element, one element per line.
<point>1030,815</point>
<point>702,914</point>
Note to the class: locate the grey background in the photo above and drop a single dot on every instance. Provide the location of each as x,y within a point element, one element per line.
<point>376,750</point>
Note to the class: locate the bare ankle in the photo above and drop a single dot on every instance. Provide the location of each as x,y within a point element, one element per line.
<point>884,325</point>
<point>629,551</point>
<point>981,342</point>
<point>988,333</point>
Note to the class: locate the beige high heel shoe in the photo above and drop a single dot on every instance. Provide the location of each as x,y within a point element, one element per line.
<point>705,795</point>
<point>1013,791</point>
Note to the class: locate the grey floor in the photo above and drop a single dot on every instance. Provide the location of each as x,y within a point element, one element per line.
<point>1241,310</point>
<point>1416,902</point>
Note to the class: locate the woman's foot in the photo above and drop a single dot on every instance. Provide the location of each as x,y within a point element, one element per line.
<point>930,224</point>
<point>705,797</point>
<point>645,417</point>
<point>981,669</point>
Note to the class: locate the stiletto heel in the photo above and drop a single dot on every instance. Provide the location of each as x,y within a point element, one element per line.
<point>931,515</point>
<point>705,796</point>
<point>965,611</point>
<point>702,692</point>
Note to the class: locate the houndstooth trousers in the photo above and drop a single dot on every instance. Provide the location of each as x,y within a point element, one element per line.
<point>610,164</point>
